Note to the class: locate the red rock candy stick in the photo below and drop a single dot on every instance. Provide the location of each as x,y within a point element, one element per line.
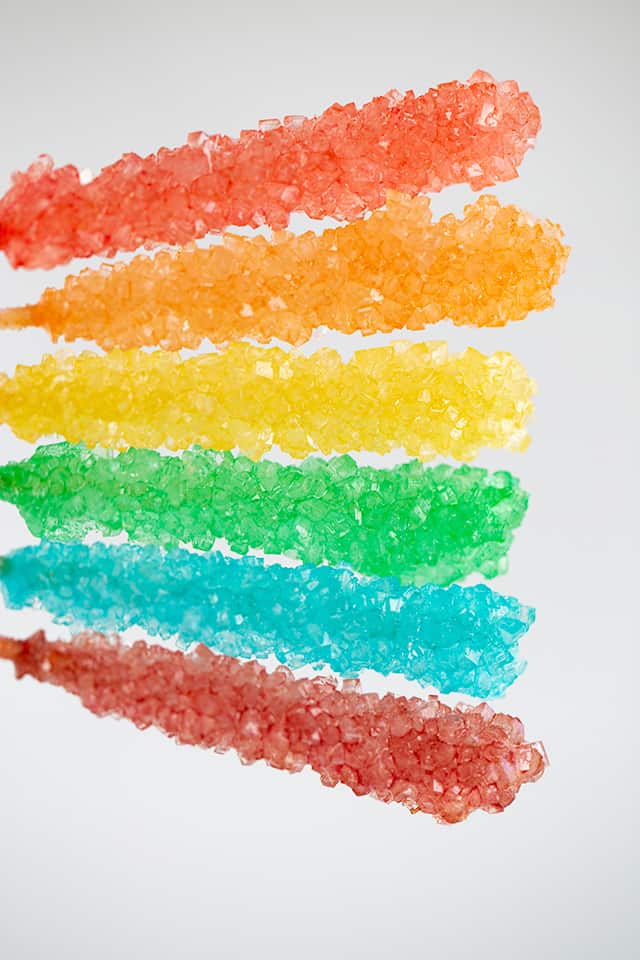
<point>338,164</point>
<point>421,753</point>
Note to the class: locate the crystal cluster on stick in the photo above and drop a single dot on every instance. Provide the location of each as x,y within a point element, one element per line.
<point>423,754</point>
<point>457,639</point>
<point>421,524</point>
<point>396,269</point>
<point>415,396</point>
<point>338,164</point>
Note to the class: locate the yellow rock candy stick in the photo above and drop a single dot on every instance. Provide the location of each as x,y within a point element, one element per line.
<point>414,396</point>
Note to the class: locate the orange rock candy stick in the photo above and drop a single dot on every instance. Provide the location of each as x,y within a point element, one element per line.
<point>421,753</point>
<point>338,164</point>
<point>396,269</point>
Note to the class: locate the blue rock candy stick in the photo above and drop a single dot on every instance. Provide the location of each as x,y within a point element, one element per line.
<point>457,639</point>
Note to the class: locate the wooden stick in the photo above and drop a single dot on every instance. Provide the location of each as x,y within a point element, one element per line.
<point>9,649</point>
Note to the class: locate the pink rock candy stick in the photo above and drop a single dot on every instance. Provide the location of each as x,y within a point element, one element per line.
<point>430,757</point>
<point>338,164</point>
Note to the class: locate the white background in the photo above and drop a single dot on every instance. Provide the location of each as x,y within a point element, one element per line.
<point>119,844</point>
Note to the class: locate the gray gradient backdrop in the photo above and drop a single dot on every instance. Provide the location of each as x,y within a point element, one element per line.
<point>115,843</point>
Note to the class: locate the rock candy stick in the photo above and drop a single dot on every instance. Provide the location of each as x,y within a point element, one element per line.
<point>456,639</point>
<point>338,164</point>
<point>420,524</point>
<point>396,269</point>
<point>421,753</point>
<point>414,396</point>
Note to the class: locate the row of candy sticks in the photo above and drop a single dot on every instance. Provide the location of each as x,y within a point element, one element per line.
<point>403,533</point>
